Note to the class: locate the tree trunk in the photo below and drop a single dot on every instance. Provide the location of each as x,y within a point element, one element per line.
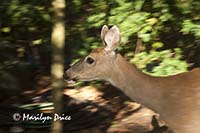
<point>57,66</point>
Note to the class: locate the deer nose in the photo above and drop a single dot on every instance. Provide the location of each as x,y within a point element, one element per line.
<point>67,68</point>
<point>65,75</point>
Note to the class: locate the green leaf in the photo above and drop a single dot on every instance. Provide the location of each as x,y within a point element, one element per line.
<point>157,45</point>
<point>6,29</point>
<point>37,42</point>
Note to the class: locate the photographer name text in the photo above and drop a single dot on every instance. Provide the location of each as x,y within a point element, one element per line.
<point>40,117</point>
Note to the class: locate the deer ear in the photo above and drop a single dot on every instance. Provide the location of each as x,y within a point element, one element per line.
<point>104,30</point>
<point>112,39</point>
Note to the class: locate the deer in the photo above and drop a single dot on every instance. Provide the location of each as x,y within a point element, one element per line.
<point>175,98</point>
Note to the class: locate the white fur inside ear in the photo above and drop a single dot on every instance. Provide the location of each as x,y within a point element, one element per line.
<point>112,39</point>
<point>104,30</point>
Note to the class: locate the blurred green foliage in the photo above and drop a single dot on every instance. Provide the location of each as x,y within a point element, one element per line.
<point>169,30</point>
<point>25,29</point>
<point>161,63</point>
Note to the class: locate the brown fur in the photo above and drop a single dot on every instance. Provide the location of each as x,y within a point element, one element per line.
<point>176,98</point>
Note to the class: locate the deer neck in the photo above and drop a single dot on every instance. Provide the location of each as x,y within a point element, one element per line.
<point>134,83</point>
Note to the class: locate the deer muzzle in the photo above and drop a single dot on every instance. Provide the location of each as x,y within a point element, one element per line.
<point>68,76</point>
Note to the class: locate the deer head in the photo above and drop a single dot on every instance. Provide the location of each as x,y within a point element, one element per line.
<point>99,62</point>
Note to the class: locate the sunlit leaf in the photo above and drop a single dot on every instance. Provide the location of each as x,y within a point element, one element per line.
<point>37,42</point>
<point>6,29</point>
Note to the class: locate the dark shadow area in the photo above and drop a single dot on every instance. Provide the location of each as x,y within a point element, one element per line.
<point>85,114</point>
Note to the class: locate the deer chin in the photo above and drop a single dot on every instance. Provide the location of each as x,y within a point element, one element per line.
<point>71,82</point>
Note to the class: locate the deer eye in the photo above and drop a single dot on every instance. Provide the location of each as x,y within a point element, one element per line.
<point>89,60</point>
